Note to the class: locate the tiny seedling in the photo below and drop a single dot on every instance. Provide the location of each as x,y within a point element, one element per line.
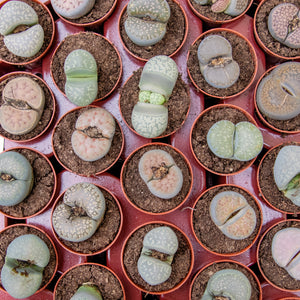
<point>87,291</point>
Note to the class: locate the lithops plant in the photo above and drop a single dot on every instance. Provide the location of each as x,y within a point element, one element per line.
<point>159,171</point>
<point>146,23</point>
<point>29,41</point>
<point>284,24</point>
<point>87,291</point>
<point>79,215</point>
<point>26,257</point>
<point>242,141</point>
<point>81,86</point>
<point>16,178</point>
<point>286,172</point>
<point>94,131</point>
<point>159,247</point>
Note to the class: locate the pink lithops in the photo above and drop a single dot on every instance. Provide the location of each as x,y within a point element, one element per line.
<point>161,174</point>
<point>220,5</point>
<point>94,131</point>
<point>23,105</point>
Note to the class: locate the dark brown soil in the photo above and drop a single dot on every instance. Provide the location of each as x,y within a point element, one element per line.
<point>210,235</point>
<point>106,56</point>
<point>176,29</point>
<point>241,53</point>
<point>178,104</point>
<point>62,147</point>
<point>45,21</point>
<point>137,191</point>
<point>45,118</point>
<point>180,265</point>
<point>43,187</point>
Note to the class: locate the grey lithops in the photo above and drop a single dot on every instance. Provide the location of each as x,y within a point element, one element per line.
<point>81,86</point>
<point>16,178</point>
<point>87,291</point>
<point>26,257</point>
<point>80,214</point>
<point>154,270</point>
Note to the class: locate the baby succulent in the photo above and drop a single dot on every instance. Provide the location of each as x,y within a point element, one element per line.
<point>79,215</point>
<point>16,178</point>
<point>26,257</point>
<point>94,131</point>
<point>81,86</point>
<point>87,291</point>
<point>233,215</point>
<point>286,172</point>
<point>146,23</point>
<point>242,141</point>
<point>23,105</point>
<point>159,171</point>
<point>159,246</point>
<point>217,66</point>
<point>25,43</point>
<point>284,24</point>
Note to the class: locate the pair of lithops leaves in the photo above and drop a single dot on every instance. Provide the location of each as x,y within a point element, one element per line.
<point>146,23</point>
<point>94,131</point>
<point>286,172</point>
<point>15,15</point>
<point>284,24</point>
<point>79,215</point>
<point>26,257</point>
<point>87,291</point>
<point>278,93</point>
<point>217,65</point>
<point>242,141</point>
<point>16,178</point>
<point>159,247</point>
<point>149,116</point>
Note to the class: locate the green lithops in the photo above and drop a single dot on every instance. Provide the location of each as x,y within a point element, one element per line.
<point>16,178</point>
<point>81,86</point>
<point>154,270</point>
<point>87,291</point>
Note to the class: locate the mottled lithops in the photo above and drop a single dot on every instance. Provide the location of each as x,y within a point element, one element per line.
<point>217,66</point>
<point>81,86</point>
<point>284,24</point>
<point>286,172</point>
<point>94,131</point>
<point>87,291</point>
<point>159,171</point>
<point>26,257</point>
<point>159,246</point>
<point>16,178</point>
<point>80,214</point>
<point>23,105</point>
<point>146,23</point>
<point>228,284</point>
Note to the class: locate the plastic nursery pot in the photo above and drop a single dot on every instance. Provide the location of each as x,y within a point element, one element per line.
<point>136,189</point>
<point>201,278</point>
<point>109,64</point>
<point>198,141</point>
<point>175,37</point>
<point>182,262</point>
<point>243,54</point>
<point>46,21</point>
<point>64,153</point>
<point>43,189</point>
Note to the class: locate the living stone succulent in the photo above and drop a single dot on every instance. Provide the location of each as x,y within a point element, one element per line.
<point>81,86</point>
<point>87,291</point>
<point>159,247</point>
<point>159,171</point>
<point>16,178</point>
<point>146,23</point>
<point>26,257</point>
<point>79,215</point>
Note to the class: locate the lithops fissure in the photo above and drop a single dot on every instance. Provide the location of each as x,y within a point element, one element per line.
<point>217,65</point>
<point>94,131</point>
<point>26,257</point>
<point>87,291</point>
<point>16,178</point>
<point>159,247</point>
<point>284,24</point>
<point>80,214</point>
<point>286,172</point>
